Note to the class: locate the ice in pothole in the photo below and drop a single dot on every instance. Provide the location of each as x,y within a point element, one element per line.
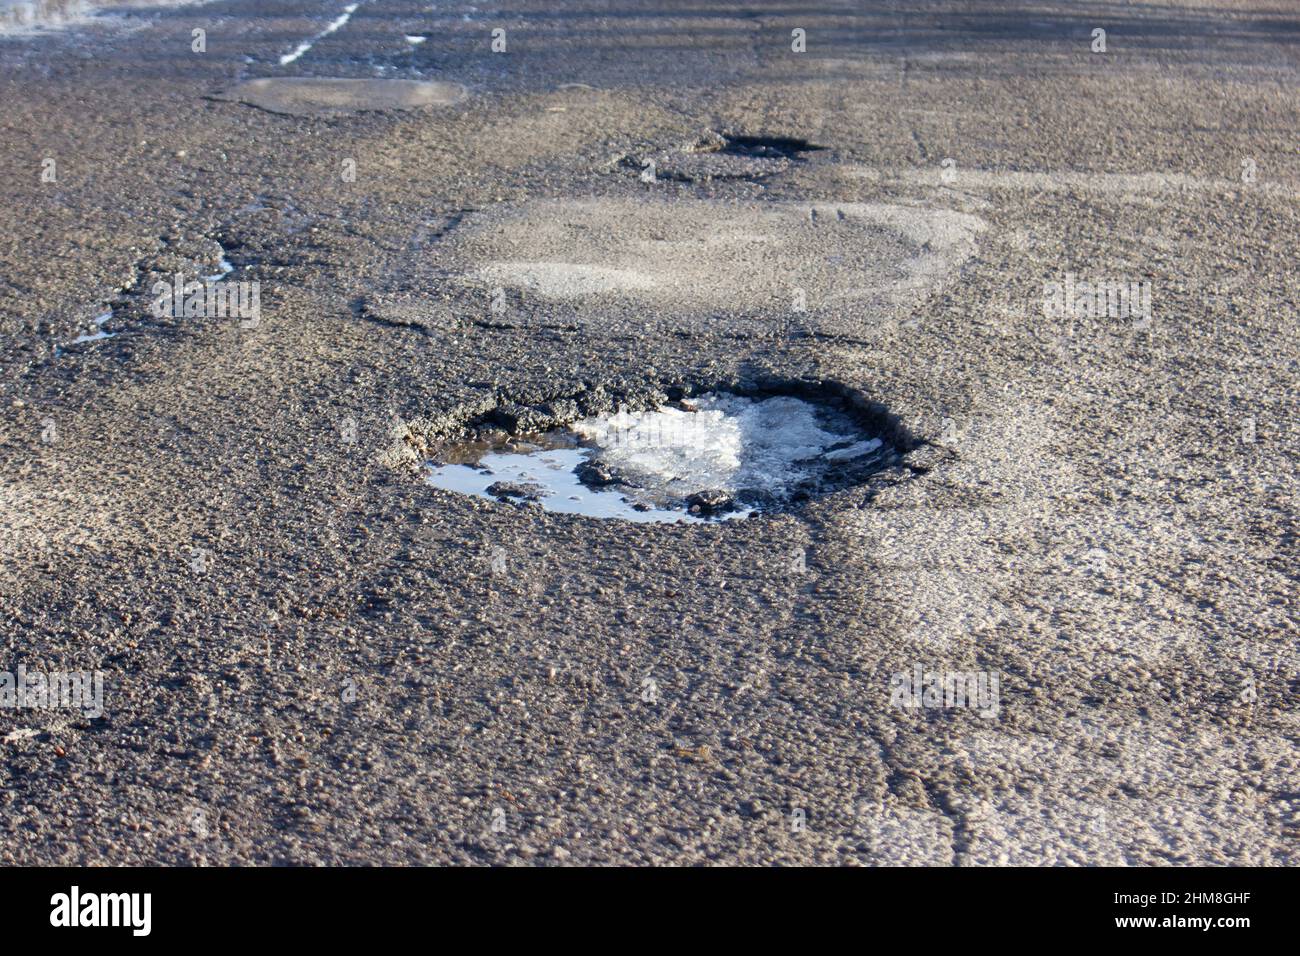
<point>715,456</point>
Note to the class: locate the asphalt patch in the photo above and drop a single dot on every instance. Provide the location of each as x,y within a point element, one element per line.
<point>316,96</point>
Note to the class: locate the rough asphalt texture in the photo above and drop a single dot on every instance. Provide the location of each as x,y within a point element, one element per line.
<point>312,657</point>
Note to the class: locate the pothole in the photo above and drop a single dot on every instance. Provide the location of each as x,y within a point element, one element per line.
<point>718,156</point>
<point>713,457</point>
<point>786,147</point>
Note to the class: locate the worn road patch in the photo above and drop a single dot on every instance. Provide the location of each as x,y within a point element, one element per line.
<point>724,266</point>
<point>314,96</point>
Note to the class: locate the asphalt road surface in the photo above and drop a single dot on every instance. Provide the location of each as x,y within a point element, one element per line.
<point>311,656</point>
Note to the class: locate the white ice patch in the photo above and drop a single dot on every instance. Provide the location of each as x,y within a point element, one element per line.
<point>226,268</point>
<point>722,442</point>
<point>745,453</point>
<point>98,330</point>
<point>856,450</point>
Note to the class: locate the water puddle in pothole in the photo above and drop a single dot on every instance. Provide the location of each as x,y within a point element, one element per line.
<point>714,457</point>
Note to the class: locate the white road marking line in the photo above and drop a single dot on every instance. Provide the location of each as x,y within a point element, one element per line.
<point>336,24</point>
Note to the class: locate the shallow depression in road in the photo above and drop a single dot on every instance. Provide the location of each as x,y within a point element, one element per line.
<point>714,457</point>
